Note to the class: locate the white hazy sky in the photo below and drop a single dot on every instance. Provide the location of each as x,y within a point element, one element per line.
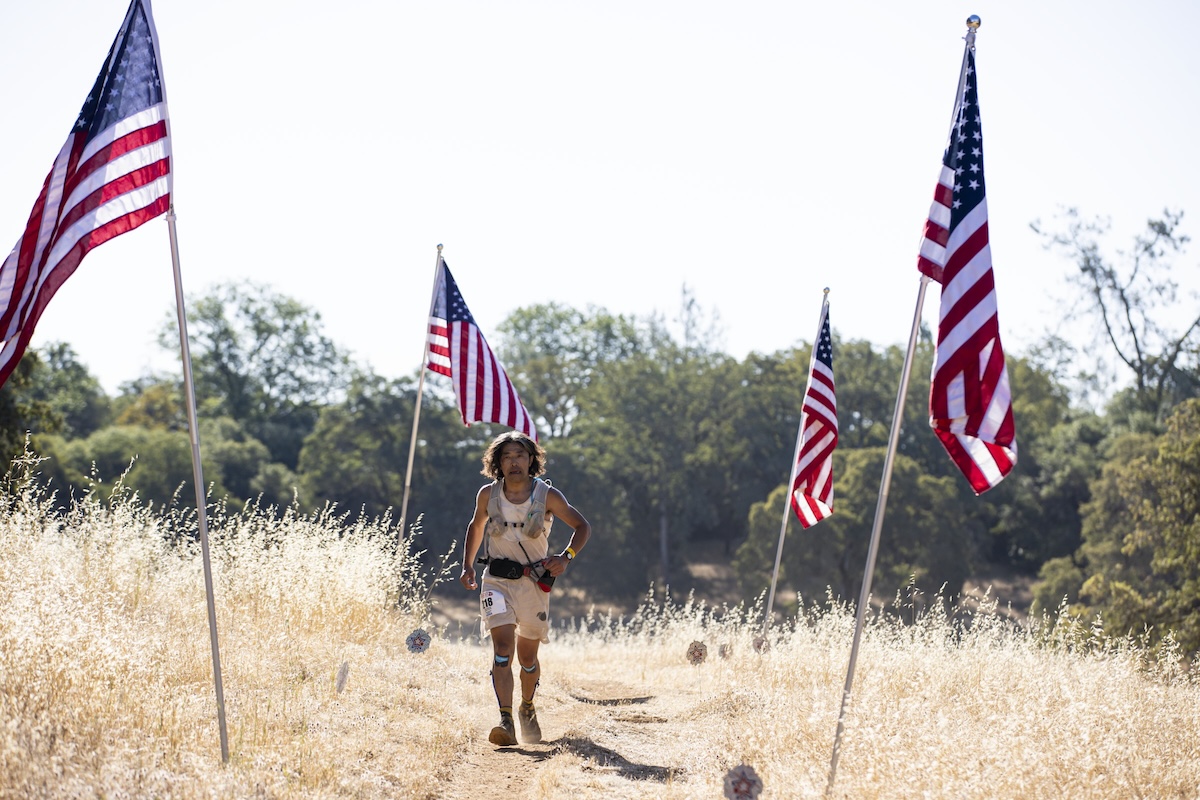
<point>602,153</point>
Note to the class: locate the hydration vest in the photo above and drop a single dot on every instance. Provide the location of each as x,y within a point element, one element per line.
<point>537,521</point>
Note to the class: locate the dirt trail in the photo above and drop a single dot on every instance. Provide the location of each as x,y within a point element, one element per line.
<point>600,739</point>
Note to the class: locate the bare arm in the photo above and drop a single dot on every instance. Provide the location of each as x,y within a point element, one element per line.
<point>474,538</point>
<point>557,505</point>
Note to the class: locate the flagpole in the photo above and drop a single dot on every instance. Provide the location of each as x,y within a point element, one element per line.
<point>412,444</point>
<point>869,571</point>
<point>787,507</point>
<point>198,479</point>
<point>189,388</point>
<point>792,477</point>
<point>886,480</point>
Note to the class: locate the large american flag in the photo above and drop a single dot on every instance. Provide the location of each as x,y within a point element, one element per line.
<point>970,403</point>
<point>112,175</point>
<point>457,349</point>
<point>812,484</point>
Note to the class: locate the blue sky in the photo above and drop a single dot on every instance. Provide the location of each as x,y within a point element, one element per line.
<point>608,154</point>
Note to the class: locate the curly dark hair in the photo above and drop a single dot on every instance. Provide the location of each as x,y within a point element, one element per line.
<point>491,457</point>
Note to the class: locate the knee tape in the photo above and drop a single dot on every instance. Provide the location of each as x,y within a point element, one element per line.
<point>530,669</point>
<point>501,661</point>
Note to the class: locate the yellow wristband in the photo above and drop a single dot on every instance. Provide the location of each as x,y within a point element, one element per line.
<point>570,554</point>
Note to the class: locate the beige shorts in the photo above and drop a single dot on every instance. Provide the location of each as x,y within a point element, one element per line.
<point>519,602</point>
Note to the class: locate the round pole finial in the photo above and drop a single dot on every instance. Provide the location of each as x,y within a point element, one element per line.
<point>439,248</point>
<point>826,290</point>
<point>973,22</point>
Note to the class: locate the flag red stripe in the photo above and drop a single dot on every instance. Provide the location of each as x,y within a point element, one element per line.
<point>134,140</point>
<point>109,191</point>
<point>964,461</point>
<point>936,233</point>
<point>965,252</point>
<point>931,268</point>
<point>943,194</point>
<point>972,301</point>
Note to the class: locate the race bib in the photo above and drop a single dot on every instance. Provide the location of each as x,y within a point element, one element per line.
<point>491,603</point>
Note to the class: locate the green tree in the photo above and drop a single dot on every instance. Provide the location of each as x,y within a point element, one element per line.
<point>70,392</point>
<point>553,352</point>
<point>752,442</point>
<point>657,429</point>
<point>928,538</point>
<point>357,456</point>
<point>1141,558</point>
<point>261,358</point>
<point>1107,522</point>
<point>1033,514</point>
<point>20,411</point>
<point>1165,501</point>
<point>152,402</point>
<point>243,465</point>
<point>637,434</point>
<point>153,462</point>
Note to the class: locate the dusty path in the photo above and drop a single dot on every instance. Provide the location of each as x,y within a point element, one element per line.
<point>600,739</point>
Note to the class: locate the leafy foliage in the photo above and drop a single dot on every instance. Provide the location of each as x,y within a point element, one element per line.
<point>927,540</point>
<point>1140,563</point>
<point>261,358</point>
<point>20,411</point>
<point>357,457</point>
<point>70,393</point>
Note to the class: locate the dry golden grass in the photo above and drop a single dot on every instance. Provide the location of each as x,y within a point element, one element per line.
<point>106,684</point>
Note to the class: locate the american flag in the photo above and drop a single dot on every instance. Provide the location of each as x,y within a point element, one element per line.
<point>812,486</point>
<point>112,175</point>
<point>970,402</point>
<point>458,350</point>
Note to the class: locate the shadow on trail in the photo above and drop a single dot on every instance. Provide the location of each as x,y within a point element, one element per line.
<point>611,701</point>
<point>599,758</point>
<point>610,760</point>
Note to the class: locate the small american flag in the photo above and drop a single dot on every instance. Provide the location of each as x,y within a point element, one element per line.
<point>812,486</point>
<point>458,350</point>
<point>112,175</point>
<point>970,402</point>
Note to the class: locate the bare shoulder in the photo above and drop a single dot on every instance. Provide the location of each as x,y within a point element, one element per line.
<point>483,495</point>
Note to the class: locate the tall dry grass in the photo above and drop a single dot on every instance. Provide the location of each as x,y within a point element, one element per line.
<point>106,683</point>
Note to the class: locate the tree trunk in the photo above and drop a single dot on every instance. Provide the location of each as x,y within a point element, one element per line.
<point>663,551</point>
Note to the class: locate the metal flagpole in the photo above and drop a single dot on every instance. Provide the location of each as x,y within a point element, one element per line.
<point>791,480</point>
<point>885,482</point>
<point>787,507</point>
<point>189,388</point>
<point>869,571</point>
<point>198,479</point>
<point>412,445</point>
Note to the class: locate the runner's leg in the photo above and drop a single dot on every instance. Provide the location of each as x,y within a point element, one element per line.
<point>527,655</point>
<point>503,644</point>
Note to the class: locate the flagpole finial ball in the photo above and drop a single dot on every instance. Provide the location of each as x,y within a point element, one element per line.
<point>826,290</point>
<point>973,21</point>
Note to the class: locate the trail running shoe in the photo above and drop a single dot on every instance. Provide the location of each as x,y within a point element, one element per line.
<point>503,735</point>
<point>531,732</point>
